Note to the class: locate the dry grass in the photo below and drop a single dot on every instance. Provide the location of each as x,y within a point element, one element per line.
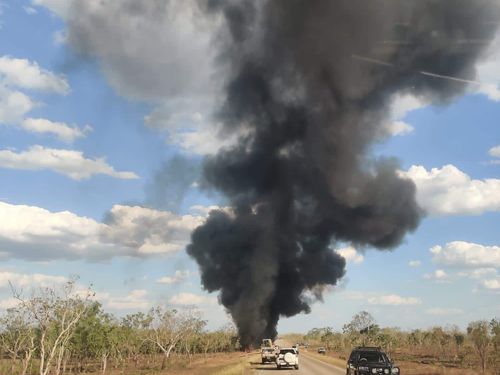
<point>217,364</point>
<point>241,368</point>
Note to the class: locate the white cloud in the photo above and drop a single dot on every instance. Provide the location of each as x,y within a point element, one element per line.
<point>466,255</point>
<point>439,275</point>
<point>67,162</point>
<point>19,280</point>
<point>28,75</point>
<point>33,233</point>
<point>492,284</point>
<point>149,231</point>
<point>449,191</point>
<point>478,273</point>
<point>443,311</point>
<point>495,151</point>
<point>59,7</point>
<point>414,263</point>
<point>179,276</point>
<point>399,128</point>
<point>202,141</point>
<point>394,300</point>
<point>401,106</point>
<point>488,72</point>
<point>13,105</point>
<point>135,300</point>
<point>350,255</point>
<point>63,131</point>
<point>190,299</point>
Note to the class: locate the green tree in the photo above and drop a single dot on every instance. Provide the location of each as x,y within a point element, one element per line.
<point>360,328</point>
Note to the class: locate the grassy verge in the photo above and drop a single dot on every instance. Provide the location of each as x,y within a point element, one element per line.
<point>326,358</point>
<point>240,368</point>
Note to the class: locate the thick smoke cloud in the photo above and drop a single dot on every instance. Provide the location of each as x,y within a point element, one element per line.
<point>311,81</point>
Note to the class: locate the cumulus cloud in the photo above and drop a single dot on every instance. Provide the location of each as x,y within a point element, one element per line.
<point>492,284</point>
<point>203,140</point>
<point>488,72</point>
<point>135,300</point>
<point>394,300</point>
<point>178,277</point>
<point>466,255</point>
<point>14,105</point>
<point>193,132</point>
<point>16,74</point>
<point>63,131</point>
<point>350,255</point>
<point>21,280</point>
<point>190,299</point>
<point>28,75</point>
<point>67,162</point>
<point>33,233</point>
<point>495,152</point>
<point>149,231</point>
<point>414,263</point>
<point>438,275</point>
<point>401,106</point>
<point>478,273</point>
<point>449,191</point>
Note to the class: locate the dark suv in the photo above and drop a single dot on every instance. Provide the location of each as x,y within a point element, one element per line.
<point>370,360</point>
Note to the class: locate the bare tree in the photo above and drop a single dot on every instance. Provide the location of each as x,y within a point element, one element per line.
<point>56,313</point>
<point>17,338</point>
<point>169,327</point>
<point>478,333</point>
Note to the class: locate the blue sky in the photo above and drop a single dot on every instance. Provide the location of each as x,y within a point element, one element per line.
<point>82,139</point>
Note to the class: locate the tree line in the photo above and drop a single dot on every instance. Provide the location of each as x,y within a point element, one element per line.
<point>476,347</point>
<point>64,330</point>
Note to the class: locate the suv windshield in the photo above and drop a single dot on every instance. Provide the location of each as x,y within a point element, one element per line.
<point>284,351</point>
<point>373,357</point>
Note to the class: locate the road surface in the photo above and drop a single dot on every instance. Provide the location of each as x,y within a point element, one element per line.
<point>308,366</point>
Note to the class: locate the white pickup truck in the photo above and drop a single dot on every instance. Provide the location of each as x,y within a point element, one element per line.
<point>267,351</point>
<point>287,357</point>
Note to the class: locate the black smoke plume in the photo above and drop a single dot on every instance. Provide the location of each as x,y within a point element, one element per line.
<point>309,88</point>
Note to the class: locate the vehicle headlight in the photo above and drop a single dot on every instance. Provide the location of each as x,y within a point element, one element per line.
<point>395,370</point>
<point>374,370</point>
<point>386,371</point>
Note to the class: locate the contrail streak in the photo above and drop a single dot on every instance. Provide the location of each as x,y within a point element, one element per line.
<point>425,73</point>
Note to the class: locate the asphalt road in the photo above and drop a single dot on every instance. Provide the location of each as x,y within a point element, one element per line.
<point>307,366</point>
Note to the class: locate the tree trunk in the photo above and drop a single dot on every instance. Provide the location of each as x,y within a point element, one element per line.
<point>164,361</point>
<point>104,363</point>
<point>26,362</point>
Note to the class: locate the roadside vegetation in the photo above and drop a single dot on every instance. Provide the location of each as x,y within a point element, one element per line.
<point>437,350</point>
<point>57,331</point>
